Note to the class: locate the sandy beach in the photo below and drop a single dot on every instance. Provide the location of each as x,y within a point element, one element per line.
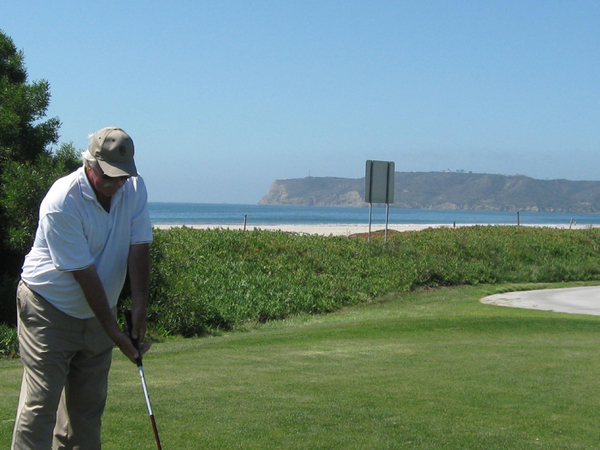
<point>344,230</point>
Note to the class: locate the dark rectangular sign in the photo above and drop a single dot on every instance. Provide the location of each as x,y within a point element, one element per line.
<point>379,182</point>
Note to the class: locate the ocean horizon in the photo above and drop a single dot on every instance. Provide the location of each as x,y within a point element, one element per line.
<point>165,213</point>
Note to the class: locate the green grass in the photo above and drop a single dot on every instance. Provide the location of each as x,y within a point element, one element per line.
<point>434,369</point>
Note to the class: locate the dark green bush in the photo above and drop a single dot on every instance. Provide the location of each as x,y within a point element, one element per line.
<point>205,280</point>
<point>9,344</point>
<point>215,279</point>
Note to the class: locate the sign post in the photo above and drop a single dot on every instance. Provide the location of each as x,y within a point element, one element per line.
<point>379,188</point>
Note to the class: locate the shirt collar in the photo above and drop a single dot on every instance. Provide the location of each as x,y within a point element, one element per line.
<point>88,192</point>
<point>86,188</point>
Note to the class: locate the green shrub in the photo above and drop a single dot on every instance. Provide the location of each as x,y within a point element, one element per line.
<point>207,280</point>
<point>215,279</point>
<point>9,344</point>
<point>8,293</point>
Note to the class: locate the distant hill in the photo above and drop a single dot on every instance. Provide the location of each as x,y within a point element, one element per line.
<point>446,190</point>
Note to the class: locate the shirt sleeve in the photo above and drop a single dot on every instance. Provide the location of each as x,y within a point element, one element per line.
<point>66,241</point>
<point>141,228</point>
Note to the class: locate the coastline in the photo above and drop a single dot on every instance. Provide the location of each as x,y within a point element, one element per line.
<point>349,229</point>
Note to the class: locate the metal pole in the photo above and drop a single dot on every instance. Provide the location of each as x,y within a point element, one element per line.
<point>370,216</point>
<point>370,198</point>
<point>387,217</point>
<point>387,199</point>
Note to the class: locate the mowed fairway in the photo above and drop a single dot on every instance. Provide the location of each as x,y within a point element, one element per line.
<point>429,370</point>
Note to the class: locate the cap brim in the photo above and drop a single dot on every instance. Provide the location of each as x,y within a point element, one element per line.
<point>113,169</point>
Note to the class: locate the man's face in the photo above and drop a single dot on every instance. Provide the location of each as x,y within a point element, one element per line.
<point>102,183</point>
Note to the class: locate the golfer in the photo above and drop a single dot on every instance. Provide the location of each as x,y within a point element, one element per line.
<point>93,227</point>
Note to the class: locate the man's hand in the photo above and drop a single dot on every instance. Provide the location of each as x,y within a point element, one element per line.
<point>122,340</point>
<point>130,327</point>
<point>138,323</point>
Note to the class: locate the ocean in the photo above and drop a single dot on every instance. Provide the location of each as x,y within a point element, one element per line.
<point>226,214</point>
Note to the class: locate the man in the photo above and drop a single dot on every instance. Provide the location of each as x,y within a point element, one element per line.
<point>93,227</point>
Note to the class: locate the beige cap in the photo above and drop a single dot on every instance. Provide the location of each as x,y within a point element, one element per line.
<point>113,149</point>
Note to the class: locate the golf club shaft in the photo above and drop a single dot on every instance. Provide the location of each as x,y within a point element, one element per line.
<point>148,405</point>
<point>145,388</point>
<point>138,361</point>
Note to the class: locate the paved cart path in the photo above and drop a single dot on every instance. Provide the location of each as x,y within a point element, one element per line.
<point>579,300</point>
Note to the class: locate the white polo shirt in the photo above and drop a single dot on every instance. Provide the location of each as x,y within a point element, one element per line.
<point>74,232</point>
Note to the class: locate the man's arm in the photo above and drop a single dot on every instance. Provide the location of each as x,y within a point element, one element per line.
<point>139,276</point>
<point>95,295</point>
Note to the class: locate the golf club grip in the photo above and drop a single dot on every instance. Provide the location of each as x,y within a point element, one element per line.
<point>135,343</point>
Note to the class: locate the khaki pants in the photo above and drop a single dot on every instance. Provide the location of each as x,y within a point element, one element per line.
<point>65,376</point>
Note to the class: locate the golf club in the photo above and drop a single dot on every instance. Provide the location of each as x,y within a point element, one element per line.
<point>138,361</point>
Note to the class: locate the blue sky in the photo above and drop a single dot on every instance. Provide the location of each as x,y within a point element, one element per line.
<point>223,97</point>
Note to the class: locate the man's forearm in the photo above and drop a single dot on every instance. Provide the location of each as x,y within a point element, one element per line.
<point>95,295</point>
<point>139,274</point>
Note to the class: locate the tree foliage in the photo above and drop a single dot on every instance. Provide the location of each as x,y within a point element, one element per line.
<point>24,185</point>
<point>27,164</point>
<point>23,133</point>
